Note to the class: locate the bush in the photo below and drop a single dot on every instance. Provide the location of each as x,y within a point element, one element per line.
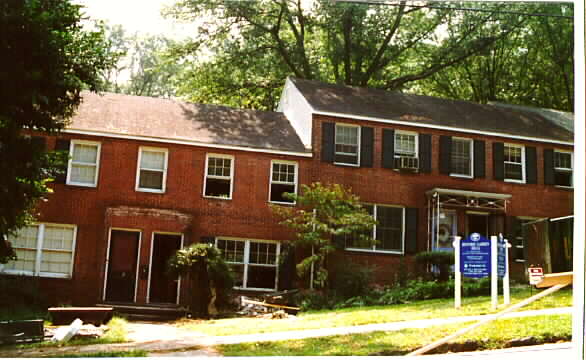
<point>351,279</point>
<point>442,259</point>
<point>19,290</point>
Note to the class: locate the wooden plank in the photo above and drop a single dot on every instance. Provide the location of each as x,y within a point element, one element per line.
<point>550,280</point>
<point>488,319</point>
<point>270,305</point>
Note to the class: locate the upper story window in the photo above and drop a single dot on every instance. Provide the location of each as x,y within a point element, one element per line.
<point>461,157</point>
<point>152,169</point>
<point>405,150</point>
<point>347,144</point>
<point>253,262</point>
<point>219,175</point>
<point>283,180</point>
<point>514,169</point>
<point>83,165</point>
<point>388,233</point>
<point>562,162</point>
<point>43,250</point>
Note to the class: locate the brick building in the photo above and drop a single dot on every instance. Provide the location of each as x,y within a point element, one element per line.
<point>147,176</point>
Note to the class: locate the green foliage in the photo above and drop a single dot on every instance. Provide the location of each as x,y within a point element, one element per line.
<point>207,268</point>
<point>351,279</point>
<point>47,59</point>
<point>255,45</point>
<point>442,259</point>
<point>21,294</point>
<point>105,354</point>
<point>324,213</point>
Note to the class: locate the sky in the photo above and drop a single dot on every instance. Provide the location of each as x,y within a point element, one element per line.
<point>143,16</point>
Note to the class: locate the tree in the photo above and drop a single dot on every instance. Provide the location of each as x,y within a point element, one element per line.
<point>210,276</point>
<point>386,47</point>
<point>325,215</point>
<point>533,66</point>
<point>47,59</point>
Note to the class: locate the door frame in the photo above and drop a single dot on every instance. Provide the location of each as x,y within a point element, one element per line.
<point>107,263</point>
<point>148,297</point>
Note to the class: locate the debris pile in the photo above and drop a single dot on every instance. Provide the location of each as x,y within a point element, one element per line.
<point>269,306</point>
<point>76,330</point>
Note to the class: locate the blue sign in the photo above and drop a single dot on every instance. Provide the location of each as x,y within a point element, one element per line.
<point>475,256</point>
<point>501,250</point>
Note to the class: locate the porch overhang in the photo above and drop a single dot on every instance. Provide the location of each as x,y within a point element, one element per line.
<point>468,199</point>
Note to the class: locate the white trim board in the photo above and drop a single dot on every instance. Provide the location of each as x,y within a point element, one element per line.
<point>183,142</point>
<point>440,127</point>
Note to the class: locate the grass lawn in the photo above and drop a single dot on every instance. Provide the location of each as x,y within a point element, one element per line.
<point>494,335</point>
<point>102,354</point>
<point>437,308</point>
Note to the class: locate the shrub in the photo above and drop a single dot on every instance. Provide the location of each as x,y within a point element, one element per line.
<point>351,279</point>
<point>21,292</point>
<point>442,259</point>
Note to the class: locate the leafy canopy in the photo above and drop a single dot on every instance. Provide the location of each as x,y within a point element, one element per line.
<point>243,50</point>
<point>324,215</point>
<point>46,59</point>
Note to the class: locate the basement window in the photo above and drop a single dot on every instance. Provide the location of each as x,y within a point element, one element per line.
<point>218,177</point>
<point>283,180</point>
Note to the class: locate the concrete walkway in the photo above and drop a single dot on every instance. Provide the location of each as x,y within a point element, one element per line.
<point>166,340</point>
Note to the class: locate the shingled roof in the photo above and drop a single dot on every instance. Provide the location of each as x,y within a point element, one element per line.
<point>167,119</point>
<point>431,111</point>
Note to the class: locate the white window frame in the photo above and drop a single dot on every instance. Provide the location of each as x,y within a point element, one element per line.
<point>70,162</point>
<point>471,141</point>
<point>374,249</point>
<point>271,181</point>
<point>570,170</point>
<point>522,181</point>
<point>205,177</point>
<point>358,136</point>
<point>405,132</point>
<point>39,254</point>
<point>246,260</point>
<point>165,166</point>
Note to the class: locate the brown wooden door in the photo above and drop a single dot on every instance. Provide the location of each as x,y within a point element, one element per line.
<point>121,282</point>
<point>163,287</point>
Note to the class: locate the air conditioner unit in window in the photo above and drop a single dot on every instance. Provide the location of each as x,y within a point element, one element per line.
<point>407,163</point>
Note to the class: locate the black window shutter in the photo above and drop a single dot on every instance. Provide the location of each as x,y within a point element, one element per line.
<point>498,160</point>
<point>388,148</point>
<point>339,241</point>
<point>425,153</point>
<point>548,169</point>
<point>479,159</point>
<point>287,267</point>
<point>328,133</point>
<point>366,146</point>
<point>530,165</point>
<point>445,164</point>
<point>208,240</point>
<point>62,145</point>
<point>411,230</point>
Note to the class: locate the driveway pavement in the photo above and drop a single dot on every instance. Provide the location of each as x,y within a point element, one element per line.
<point>169,341</point>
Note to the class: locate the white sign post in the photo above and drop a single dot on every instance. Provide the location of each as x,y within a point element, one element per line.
<point>506,287</point>
<point>493,272</point>
<point>457,274</point>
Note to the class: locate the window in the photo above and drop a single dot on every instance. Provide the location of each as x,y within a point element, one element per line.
<point>283,179</point>
<point>253,262</point>
<point>514,164</point>
<point>562,163</point>
<point>218,178</point>
<point>347,144</point>
<point>388,233</point>
<point>405,143</point>
<point>84,163</point>
<point>152,170</point>
<point>43,250</point>
<point>461,157</point>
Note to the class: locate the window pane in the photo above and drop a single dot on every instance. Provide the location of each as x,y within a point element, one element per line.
<point>405,144</point>
<point>277,191</point>
<point>151,180</point>
<point>347,135</point>
<point>389,229</point>
<point>461,160</point>
<point>85,153</point>
<point>85,174</point>
<point>58,238</point>
<point>284,173</point>
<point>346,159</point>
<point>238,272</point>
<point>233,251</point>
<point>26,237</point>
<point>25,261</point>
<point>56,262</point>
<point>513,171</point>
<point>153,160</point>
<point>219,166</point>
<point>563,178</point>
<point>513,154</point>
<point>262,277</point>
<point>263,253</point>
<point>563,160</point>
<point>218,187</point>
